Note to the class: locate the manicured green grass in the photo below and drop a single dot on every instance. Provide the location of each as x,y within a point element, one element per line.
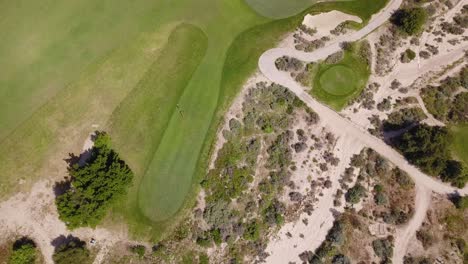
<point>338,80</point>
<point>279,8</point>
<point>361,8</point>
<point>460,142</point>
<point>336,84</point>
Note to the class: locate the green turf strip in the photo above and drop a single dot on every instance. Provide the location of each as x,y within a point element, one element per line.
<point>460,142</point>
<point>279,8</point>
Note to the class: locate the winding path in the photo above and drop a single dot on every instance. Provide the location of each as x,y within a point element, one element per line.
<point>334,120</point>
<point>343,126</point>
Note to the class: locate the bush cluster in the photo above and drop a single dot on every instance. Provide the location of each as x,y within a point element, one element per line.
<point>24,252</point>
<point>410,20</point>
<point>428,147</point>
<point>72,252</point>
<point>402,118</point>
<point>95,186</point>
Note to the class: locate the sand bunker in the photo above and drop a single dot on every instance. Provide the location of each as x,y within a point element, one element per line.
<point>324,22</point>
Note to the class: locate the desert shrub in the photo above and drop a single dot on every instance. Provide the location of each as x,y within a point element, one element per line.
<point>217,213</point>
<point>407,56</point>
<point>355,194</point>
<point>409,20</point>
<point>385,105</point>
<point>341,259</point>
<point>273,213</point>
<point>380,198</point>
<point>403,117</point>
<point>252,231</point>
<point>216,235</point>
<point>402,178</point>
<point>335,235</point>
<point>140,250</point>
<point>308,30</point>
<point>424,54</point>
<point>95,186</point>
<point>279,152</point>
<point>335,57</point>
<point>383,248</point>
<point>72,252</point>
<point>24,252</point>
<point>426,238</point>
<point>286,63</point>
<point>203,258</point>
<point>204,241</point>
<point>452,28</point>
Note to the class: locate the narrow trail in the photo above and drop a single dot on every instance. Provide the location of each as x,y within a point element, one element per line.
<point>341,126</point>
<point>405,233</point>
<point>334,120</point>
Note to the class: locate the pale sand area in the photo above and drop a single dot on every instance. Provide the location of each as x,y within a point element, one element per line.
<point>324,22</point>
<point>283,249</point>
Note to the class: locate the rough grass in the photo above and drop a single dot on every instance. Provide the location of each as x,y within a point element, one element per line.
<point>460,142</point>
<point>330,87</point>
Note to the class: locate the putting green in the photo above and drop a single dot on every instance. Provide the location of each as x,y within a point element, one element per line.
<point>337,84</point>
<point>338,80</point>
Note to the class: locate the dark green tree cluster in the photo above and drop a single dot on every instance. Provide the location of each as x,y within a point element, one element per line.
<point>402,118</point>
<point>355,194</point>
<point>410,20</point>
<point>72,252</point>
<point>383,248</point>
<point>94,186</point>
<point>461,202</point>
<point>444,101</point>
<point>429,148</point>
<point>24,252</point>
<point>329,249</point>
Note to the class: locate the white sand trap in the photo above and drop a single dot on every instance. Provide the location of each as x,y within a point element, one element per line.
<point>324,22</point>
